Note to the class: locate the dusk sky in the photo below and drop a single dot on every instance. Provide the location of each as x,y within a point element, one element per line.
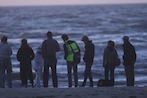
<point>65,2</point>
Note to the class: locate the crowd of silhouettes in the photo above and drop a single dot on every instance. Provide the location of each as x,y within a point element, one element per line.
<point>45,58</point>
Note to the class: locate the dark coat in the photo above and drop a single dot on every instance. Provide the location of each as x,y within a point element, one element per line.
<point>49,48</point>
<point>129,56</point>
<point>89,52</point>
<point>25,54</point>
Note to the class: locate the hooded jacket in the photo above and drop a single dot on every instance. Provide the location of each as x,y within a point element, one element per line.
<point>109,56</point>
<point>89,52</point>
<point>25,54</point>
<point>129,56</point>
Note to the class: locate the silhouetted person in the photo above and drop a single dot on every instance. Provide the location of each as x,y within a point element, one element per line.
<point>129,58</point>
<point>5,62</point>
<point>71,47</point>
<point>49,48</point>
<point>109,60</point>
<point>25,55</point>
<point>88,59</point>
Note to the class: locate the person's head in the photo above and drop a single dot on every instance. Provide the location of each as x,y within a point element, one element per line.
<point>64,37</point>
<point>49,34</point>
<point>125,39</point>
<point>4,39</point>
<point>110,44</point>
<point>24,42</point>
<point>85,39</point>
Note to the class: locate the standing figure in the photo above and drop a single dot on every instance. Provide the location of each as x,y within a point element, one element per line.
<point>129,58</point>
<point>109,61</point>
<point>88,59</point>
<point>70,48</point>
<point>25,55</point>
<point>49,48</point>
<point>5,62</point>
<point>38,65</point>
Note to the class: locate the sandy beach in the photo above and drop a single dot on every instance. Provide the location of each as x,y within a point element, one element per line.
<point>81,92</point>
<point>64,92</point>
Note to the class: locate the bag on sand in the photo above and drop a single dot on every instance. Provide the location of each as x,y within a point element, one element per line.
<point>103,82</point>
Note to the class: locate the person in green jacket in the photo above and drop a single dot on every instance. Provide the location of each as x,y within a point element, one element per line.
<point>71,48</point>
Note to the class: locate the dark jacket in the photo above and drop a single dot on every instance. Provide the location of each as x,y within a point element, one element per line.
<point>109,57</point>
<point>25,54</point>
<point>49,48</point>
<point>89,52</point>
<point>129,56</point>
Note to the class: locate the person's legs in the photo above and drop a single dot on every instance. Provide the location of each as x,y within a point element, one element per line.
<point>75,74</point>
<point>37,78</point>
<point>54,76</point>
<point>30,74</point>
<point>2,76</point>
<point>9,79</point>
<point>45,76</point>
<point>23,74</point>
<point>132,78</point>
<point>129,70</point>
<point>54,72</point>
<point>112,75</point>
<point>106,73</point>
<point>69,68</point>
<point>8,70</point>
<point>85,75</point>
<point>89,65</point>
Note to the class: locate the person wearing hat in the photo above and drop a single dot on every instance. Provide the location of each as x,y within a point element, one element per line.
<point>70,49</point>
<point>88,59</point>
<point>38,65</point>
<point>129,59</point>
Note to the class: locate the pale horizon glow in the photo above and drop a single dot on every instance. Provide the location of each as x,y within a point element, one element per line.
<point>65,2</point>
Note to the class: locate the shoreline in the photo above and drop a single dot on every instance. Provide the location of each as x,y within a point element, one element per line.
<point>80,92</point>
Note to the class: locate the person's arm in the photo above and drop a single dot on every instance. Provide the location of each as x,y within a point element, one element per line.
<point>57,47</point>
<point>104,58</point>
<point>18,55</point>
<point>43,49</point>
<point>10,50</point>
<point>65,51</point>
<point>32,53</point>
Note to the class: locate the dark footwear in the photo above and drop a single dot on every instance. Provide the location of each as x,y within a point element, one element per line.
<point>32,85</point>
<point>91,85</point>
<point>82,85</point>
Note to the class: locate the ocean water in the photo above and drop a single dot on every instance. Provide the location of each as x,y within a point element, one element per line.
<point>100,22</point>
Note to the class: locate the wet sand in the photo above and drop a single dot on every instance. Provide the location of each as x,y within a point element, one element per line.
<point>80,92</point>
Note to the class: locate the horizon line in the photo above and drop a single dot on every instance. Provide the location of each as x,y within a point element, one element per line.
<point>70,4</point>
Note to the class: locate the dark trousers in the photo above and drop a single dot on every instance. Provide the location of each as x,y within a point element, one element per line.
<point>5,76</point>
<point>88,73</point>
<point>5,72</point>
<point>129,70</point>
<point>52,65</point>
<point>109,69</point>
<point>70,66</point>
<point>26,73</point>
